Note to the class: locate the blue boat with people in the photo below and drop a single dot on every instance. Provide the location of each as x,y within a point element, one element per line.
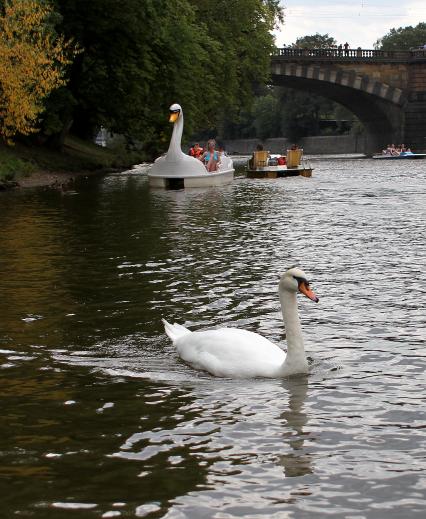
<point>404,155</point>
<point>392,152</point>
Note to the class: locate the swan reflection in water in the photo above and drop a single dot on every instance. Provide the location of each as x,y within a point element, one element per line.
<point>298,461</point>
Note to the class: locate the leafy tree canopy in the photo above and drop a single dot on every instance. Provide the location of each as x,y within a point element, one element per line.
<point>139,57</point>
<point>32,64</point>
<point>315,41</point>
<point>403,38</point>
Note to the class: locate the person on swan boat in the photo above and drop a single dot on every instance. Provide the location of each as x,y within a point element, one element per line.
<point>196,151</point>
<point>211,157</point>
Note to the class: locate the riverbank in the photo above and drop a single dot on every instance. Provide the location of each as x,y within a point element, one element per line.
<point>33,166</point>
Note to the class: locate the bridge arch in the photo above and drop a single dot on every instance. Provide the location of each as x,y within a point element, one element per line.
<point>342,78</point>
<point>378,105</point>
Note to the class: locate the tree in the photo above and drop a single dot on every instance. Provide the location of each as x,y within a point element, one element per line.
<point>266,116</point>
<point>242,30</point>
<point>32,64</point>
<point>139,57</point>
<point>135,55</point>
<point>315,41</point>
<point>301,113</point>
<point>403,38</point>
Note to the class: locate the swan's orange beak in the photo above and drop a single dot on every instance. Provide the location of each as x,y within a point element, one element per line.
<point>173,117</point>
<point>305,289</point>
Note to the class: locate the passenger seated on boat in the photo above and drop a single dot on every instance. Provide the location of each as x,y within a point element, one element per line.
<point>196,150</point>
<point>281,160</point>
<point>211,156</point>
<point>393,150</point>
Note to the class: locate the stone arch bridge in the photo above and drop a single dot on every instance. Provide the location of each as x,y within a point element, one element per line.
<point>386,90</point>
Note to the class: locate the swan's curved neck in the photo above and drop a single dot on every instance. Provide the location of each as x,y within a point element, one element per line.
<point>175,150</point>
<point>295,348</point>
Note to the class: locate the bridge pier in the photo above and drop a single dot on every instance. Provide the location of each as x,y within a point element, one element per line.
<point>415,110</point>
<point>415,125</point>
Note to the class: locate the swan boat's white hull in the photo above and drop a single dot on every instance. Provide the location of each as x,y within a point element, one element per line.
<point>218,178</point>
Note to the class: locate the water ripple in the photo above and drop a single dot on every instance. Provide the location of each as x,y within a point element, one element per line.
<point>106,418</point>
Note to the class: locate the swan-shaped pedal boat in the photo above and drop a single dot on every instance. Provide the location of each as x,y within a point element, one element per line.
<point>236,353</point>
<point>177,170</point>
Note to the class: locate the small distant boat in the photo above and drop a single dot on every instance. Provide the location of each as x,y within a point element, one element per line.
<point>264,165</point>
<point>401,156</point>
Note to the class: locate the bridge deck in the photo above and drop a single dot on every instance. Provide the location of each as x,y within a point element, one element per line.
<point>350,55</point>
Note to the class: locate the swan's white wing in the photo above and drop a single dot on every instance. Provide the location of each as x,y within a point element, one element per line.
<point>230,352</point>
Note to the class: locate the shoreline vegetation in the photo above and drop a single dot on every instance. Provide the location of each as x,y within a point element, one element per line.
<point>68,69</point>
<point>24,165</point>
<point>71,68</point>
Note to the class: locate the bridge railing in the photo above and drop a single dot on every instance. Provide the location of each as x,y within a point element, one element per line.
<point>350,54</point>
<point>418,54</point>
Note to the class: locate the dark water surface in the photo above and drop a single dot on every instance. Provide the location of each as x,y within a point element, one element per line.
<point>99,418</point>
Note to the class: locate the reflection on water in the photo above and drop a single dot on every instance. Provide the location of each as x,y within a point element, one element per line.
<point>101,419</point>
<point>297,463</point>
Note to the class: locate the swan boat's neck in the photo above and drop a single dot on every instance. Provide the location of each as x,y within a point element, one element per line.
<point>175,151</point>
<point>296,357</point>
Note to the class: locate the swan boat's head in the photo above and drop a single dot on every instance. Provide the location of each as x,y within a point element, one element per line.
<point>295,280</point>
<point>175,112</point>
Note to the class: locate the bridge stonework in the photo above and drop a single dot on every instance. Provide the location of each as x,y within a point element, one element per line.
<point>385,90</point>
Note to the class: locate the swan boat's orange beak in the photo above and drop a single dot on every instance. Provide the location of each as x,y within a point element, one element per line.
<point>306,290</point>
<point>173,117</point>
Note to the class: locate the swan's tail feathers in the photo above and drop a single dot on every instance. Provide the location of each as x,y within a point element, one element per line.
<point>175,331</point>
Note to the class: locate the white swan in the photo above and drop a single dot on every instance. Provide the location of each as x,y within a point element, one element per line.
<point>235,353</point>
<point>175,163</point>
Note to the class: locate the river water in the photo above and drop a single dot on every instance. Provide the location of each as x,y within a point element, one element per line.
<point>99,417</point>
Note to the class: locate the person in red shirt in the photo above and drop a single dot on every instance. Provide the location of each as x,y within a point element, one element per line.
<point>196,151</point>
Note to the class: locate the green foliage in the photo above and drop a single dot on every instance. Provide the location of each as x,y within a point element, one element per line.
<point>300,114</point>
<point>266,116</point>
<point>12,167</point>
<point>403,38</point>
<point>315,41</point>
<point>138,57</point>
<point>287,112</point>
<point>241,29</point>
